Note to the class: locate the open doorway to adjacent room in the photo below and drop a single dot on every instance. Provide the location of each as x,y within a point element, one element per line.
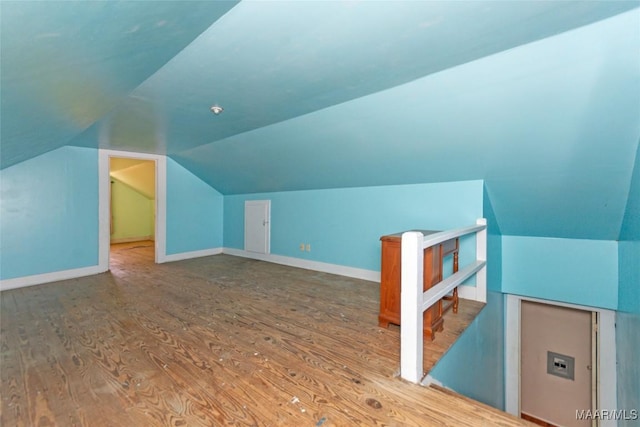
<point>132,209</point>
<point>132,193</point>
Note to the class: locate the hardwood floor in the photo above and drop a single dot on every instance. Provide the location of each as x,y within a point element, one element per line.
<point>214,341</point>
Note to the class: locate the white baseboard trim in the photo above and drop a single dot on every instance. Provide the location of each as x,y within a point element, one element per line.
<point>356,273</point>
<point>38,279</point>
<point>464,291</point>
<point>188,255</point>
<point>132,239</point>
<point>428,380</point>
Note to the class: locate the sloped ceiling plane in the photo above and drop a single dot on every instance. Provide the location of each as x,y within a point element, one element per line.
<point>541,99</point>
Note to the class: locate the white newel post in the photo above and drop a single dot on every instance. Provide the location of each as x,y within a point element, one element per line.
<point>411,345</point>
<point>414,301</point>
<point>481,255</point>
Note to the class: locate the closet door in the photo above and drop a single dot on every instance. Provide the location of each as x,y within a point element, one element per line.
<point>556,364</point>
<point>257,226</point>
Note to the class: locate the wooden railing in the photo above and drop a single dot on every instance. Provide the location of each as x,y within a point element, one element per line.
<point>414,301</point>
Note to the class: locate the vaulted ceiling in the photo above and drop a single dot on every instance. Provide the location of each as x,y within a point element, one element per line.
<point>541,99</point>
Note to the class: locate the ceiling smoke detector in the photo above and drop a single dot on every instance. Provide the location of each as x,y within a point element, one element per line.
<point>216,109</point>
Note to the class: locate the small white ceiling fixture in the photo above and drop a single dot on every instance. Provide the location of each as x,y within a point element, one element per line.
<point>216,109</point>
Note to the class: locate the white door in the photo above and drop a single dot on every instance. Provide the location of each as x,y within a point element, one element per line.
<point>257,226</point>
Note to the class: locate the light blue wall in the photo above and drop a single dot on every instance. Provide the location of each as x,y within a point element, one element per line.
<point>194,212</point>
<point>628,358</point>
<point>629,268</point>
<point>630,229</point>
<point>575,271</point>
<point>629,246</point>
<point>474,366</point>
<point>343,226</point>
<point>494,246</point>
<point>49,213</point>
<point>628,316</point>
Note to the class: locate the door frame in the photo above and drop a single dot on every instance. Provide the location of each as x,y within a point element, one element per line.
<point>104,234</point>
<point>607,390</point>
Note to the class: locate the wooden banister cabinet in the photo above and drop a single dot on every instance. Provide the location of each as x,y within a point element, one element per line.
<point>433,273</point>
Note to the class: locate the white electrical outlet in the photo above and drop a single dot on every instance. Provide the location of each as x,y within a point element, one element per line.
<point>308,247</point>
<point>302,247</point>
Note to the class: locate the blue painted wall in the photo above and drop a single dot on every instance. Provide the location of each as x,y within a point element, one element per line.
<point>343,226</point>
<point>194,212</point>
<point>628,358</point>
<point>629,246</point>
<point>474,366</point>
<point>494,246</point>
<point>629,268</point>
<point>628,316</point>
<point>575,271</point>
<point>49,213</point>
<point>630,229</point>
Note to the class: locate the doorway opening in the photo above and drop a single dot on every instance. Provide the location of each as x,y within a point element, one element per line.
<point>132,204</point>
<point>132,188</point>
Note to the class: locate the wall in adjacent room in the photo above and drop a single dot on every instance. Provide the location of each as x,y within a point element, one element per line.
<point>343,226</point>
<point>194,212</point>
<point>582,272</point>
<point>49,213</point>
<point>132,213</point>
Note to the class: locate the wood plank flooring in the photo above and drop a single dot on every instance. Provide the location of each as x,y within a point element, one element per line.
<point>214,341</point>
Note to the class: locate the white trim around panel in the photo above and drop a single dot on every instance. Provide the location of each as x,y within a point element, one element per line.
<point>607,350</point>
<point>103,204</point>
